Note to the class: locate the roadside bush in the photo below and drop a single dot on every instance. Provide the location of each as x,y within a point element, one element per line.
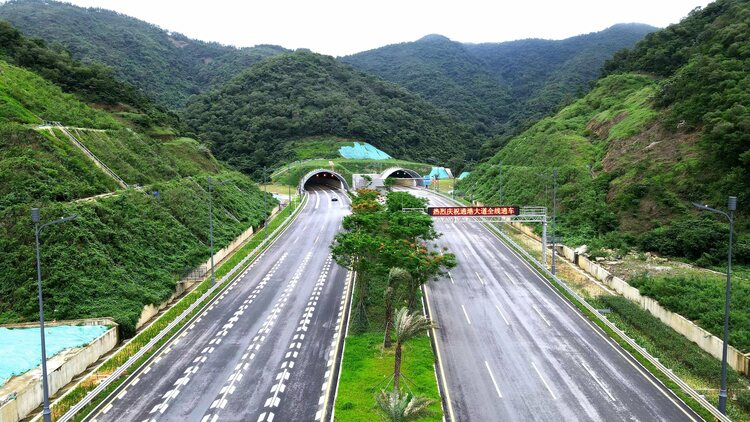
<point>694,238</point>
<point>701,299</point>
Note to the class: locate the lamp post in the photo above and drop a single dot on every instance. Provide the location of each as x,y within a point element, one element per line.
<point>211,224</point>
<point>500,176</point>
<point>35,217</point>
<point>554,217</point>
<point>265,217</point>
<point>732,207</point>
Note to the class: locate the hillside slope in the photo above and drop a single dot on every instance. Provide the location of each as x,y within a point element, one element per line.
<point>250,119</point>
<point>635,151</point>
<point>169,67</point>
<point>497,86</point>
<point>127,248</point>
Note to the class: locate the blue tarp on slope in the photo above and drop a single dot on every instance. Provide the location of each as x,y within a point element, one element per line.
<point>463,175</point>
<point>440,173</point>
<point>20,348</point>
<point>363,151</point>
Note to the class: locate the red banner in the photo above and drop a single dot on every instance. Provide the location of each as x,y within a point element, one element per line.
<point>500,211</point>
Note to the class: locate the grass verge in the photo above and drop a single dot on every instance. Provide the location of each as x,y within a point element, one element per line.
<point>367,368</point>
<point>76,394</point>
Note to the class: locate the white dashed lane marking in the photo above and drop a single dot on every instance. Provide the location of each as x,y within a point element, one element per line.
<point>221,401</point>
<point>216,340</point>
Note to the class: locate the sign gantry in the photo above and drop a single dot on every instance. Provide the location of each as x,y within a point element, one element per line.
<point>489,214</point>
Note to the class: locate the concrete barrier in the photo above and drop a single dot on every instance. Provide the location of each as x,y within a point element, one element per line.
<point>22,395</point>
<point>704,339</point>
<point>150,311</point>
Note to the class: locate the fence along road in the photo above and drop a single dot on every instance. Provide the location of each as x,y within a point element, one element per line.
<point>262,351</point>
<point>512,348</point>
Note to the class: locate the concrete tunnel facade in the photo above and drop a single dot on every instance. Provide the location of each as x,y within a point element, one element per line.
<point>413,178</point>
<point>323,177</point>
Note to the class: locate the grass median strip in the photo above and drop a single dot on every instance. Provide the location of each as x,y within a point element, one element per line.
<point>75,395</point>
<point>367,368</point>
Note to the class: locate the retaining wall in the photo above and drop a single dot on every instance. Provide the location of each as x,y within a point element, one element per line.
<point>704,339</point>
<point>150,311</point>
<point>23,394</point>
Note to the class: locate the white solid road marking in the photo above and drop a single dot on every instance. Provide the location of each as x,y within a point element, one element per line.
<point>586,367</point>
<point>541,315</point>
<point>451,277</point>
<point>493,379</point>
<point>479,277</point>
<point>466,315</point>
<point>501,314</point>
<point>544,381</point>
<point>512,280</point>
<point>317,200</point>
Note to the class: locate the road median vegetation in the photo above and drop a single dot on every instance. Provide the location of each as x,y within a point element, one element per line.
<point>388,368</point>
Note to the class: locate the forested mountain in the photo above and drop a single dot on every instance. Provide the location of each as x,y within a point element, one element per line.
<point>497,86</point>
<point>669,125</point>
<point>301,94</point>
<point>127,247</point>
<point>168,67</point>
<point>446,73</point>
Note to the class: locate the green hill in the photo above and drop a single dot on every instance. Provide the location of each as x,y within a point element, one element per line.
<point>127,248</point>
<point>250,120</point>
<point>168,66</point>
<point>668,126</point>
<point>495,87</point>
<point>445,73</point>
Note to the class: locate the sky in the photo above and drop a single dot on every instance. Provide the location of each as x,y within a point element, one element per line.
<point>342,27</point>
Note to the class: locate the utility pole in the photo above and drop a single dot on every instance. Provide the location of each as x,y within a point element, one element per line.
<point>732,207</point>
<point>265,208</point>
<point>554,217</point>
<point>211,230</point>
<point>211,223</point>
<point>35,217</point>
<point>500,176</point>
<point>289,191</point>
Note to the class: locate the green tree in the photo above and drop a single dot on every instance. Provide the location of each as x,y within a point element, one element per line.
<point>396,276</point>
<point>407,326</point>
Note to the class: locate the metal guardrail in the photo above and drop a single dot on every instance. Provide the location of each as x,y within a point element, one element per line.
<point>73,411</point>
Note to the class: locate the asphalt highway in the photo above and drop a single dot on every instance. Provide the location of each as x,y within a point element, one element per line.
<point>265,349</point>
<point>513,349</point>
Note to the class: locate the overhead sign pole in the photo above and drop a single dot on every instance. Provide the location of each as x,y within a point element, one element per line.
<point>501,214</point>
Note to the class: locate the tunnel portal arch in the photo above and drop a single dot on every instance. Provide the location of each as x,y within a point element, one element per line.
<point>403,173</point>
<point>326,177</point>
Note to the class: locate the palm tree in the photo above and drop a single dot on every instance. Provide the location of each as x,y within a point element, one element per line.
<point>395,407</point>
<point>407,326</point>
<point>396,276</point>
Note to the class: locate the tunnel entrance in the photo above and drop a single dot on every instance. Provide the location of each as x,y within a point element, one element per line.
<point>323,178</point>
<point>403,176</point>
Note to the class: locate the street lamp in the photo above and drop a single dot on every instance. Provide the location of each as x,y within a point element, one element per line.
<point>35,217</point>
<point>500,176</point>
<point>554,217</point>
<point>732,207</point>
<point>265,217</point>
<point>211,224</point>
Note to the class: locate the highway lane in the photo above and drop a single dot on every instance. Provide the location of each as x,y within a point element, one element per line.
<point>513,349</point>
<point>263,351</point>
